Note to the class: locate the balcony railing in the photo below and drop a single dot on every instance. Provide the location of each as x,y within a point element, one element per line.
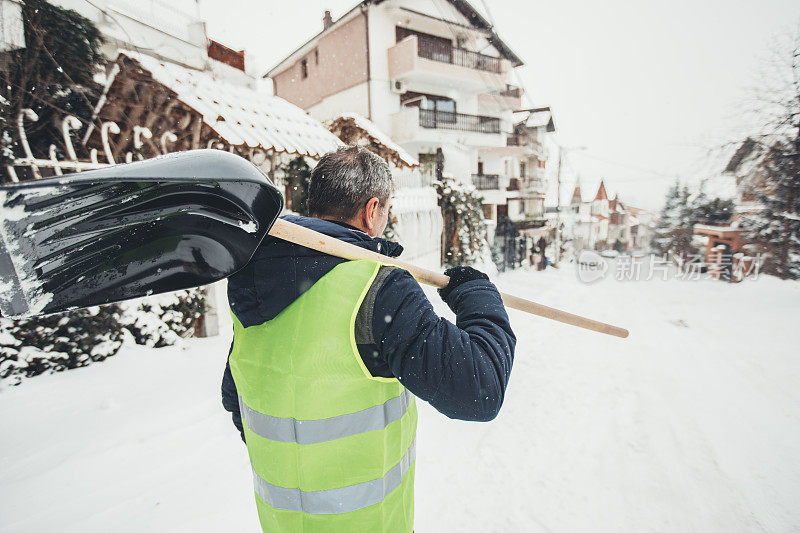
<point>485,182</point>
<point>445,120</point>
<point>444,53</point>
<point>512,91</point>
<point>515,140</point>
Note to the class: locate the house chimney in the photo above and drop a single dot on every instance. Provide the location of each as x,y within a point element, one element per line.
<point>327,20</point>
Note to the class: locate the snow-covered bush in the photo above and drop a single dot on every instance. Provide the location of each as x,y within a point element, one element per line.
<point>52,343</point>
<point>163,319</point>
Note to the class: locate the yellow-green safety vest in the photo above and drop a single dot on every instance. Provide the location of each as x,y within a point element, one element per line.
<point>331,446</point>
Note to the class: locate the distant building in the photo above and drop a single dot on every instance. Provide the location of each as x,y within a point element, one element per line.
<point>512,178</point>
<point>600,223</point>
<point>742,180</point>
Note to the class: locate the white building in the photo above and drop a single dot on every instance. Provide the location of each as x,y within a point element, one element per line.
<point>435,77</point>
<point>597,222</point>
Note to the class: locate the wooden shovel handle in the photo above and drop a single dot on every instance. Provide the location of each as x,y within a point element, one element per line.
<point>291,232</point>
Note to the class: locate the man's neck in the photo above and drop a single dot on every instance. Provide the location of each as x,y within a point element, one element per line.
<point>344,224</point>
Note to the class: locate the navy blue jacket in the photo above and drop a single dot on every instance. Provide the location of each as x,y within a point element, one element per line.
<point>462,370</point>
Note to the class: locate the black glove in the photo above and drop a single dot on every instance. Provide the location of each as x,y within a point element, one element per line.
<point>459,275</point>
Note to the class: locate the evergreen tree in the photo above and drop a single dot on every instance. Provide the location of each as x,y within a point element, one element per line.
<point>667,220</point>
<point>673,232</point>
<point>714,212</point>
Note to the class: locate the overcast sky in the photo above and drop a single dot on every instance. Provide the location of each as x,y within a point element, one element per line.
<point>647,87</point>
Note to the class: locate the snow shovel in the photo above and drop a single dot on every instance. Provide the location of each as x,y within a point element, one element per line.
<point>126,231</point>
<point>159,225</point>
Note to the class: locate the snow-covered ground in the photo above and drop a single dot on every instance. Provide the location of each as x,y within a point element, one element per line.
<point>691,424</point>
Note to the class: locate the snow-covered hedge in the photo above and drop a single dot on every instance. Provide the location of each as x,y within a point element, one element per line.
<point>53,343</point>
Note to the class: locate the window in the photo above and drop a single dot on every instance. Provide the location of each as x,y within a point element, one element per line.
<point>522,169</point>
<point>304,68</point>
<point>480,168</point>
<point>433,108</point>
<point>316,56</point>
<point>432,102</point>
<point>428,46</point>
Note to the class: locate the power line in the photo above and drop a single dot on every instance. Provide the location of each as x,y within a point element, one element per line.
<point>628,166</point>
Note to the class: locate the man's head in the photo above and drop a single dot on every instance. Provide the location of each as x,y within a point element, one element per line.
<point>352,185</point>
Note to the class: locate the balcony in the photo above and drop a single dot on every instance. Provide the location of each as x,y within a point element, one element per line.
<point>421,60</point>
<point>521,144</point>
<point>436,51</point>
<point>530,222</point>
<point>412,124</point>
<point>516,139</point>
<point>508,98</point>
<point>486,182</point>
<point>534,184</point>
<point>445,120</point>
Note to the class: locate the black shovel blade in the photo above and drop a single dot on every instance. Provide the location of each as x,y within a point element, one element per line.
<point>126,231</point>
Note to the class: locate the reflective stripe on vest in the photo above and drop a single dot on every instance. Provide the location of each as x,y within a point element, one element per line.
<point>316,431</point>
<point>335,501</point>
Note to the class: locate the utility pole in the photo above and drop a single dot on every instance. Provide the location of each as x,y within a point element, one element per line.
<point>561,157</point>
<point>557,244</point>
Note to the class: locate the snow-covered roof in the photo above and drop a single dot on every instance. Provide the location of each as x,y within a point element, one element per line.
<point>378,136</point>
<point>239,114</point>
<point>721,186</point>
<point>537,118</point>
<point>716,229</point>
<point>588,188</point>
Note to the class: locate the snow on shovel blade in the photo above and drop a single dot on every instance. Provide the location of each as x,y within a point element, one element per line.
<point>164,224</point>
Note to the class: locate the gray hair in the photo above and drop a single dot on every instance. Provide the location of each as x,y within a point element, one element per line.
<point>344,181</point>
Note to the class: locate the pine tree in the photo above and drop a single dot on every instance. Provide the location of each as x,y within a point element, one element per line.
<point>711,211</point>
<point>667,220</point>
<point>673,233</point>
<point>776,229</point>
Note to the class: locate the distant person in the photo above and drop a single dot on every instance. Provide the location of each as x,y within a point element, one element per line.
<point>328,355</point>
<point>726,272</point>
<point>542,245</point>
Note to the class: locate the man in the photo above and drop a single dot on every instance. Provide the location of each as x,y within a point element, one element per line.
<point>327,354</point>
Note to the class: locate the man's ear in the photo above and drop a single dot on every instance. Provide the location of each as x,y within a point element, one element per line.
<point>371,212</point>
